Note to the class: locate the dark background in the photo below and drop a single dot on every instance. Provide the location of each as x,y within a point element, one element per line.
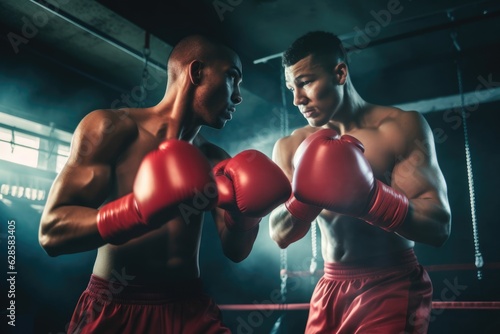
<point>62,71</point>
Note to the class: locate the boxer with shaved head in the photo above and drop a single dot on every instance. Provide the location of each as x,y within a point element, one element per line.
<point>136,186</point>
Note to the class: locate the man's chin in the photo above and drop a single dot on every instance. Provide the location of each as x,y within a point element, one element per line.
<point>219,123</point>
<point>316,123</point>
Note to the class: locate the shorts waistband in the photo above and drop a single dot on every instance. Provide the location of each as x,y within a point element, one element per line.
<point>122,292</point>
<point>371,266</point>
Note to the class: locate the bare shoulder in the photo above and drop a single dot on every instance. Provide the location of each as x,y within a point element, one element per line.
<point>405,129</point>
<point>414,126</point>
<point>285,148</point>
<point>410,120</point>
<point>297,136</point>
<point>103,132</point>
<point>107,121</point>
<point>406,120</point>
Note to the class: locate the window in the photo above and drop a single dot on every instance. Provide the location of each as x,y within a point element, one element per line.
<point>18,147</point>
<point>31,154</point>
<point>32,144</point>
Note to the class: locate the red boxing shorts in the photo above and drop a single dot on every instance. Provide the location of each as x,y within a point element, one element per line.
<point>382,295</point>
<point>109,307</point>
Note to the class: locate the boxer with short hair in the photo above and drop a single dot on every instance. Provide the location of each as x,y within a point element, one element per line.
<point>136,186</point>
<point>370,176</point>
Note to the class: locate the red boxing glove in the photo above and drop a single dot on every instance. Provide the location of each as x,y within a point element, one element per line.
<point>333,173</point>
<point>304,213</point>
<point>176,173</point>
<point>250,186</point>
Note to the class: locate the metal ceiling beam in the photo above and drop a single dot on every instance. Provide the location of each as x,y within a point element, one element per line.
<point>438,27</point>
<point>472,100</point>
<point>99,34</point>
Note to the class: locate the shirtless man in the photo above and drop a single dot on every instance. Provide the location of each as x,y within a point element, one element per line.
<point>370,176</point>
<point>135,187</point>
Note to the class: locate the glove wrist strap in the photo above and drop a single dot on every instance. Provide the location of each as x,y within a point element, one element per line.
<point>388,209</point>
<point>304,213</point>
<point>119,221</point>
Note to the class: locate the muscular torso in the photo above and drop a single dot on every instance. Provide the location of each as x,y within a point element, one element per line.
<point>344,238</point>
<point>167,253</point>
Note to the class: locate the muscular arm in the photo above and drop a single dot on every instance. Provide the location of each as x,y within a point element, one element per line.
<point>284,229</point>
<point>236,245</point>
<point>69,220</point>
<point>417,174</point>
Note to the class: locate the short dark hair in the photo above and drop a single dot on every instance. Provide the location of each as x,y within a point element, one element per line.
<point>324,45</point>
<point>194,47</point>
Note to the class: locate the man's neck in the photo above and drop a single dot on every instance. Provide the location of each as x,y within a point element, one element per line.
<point>176,120</point>
<point>350,112</point>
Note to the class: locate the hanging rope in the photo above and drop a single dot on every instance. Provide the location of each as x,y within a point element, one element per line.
<point>479,262</point>
<point>284,132</point>
<point>146,53</point>
<point>12,141</point>
<point>284,112</point>
<point>313,268</point>
<point>283,274</point>
<point>314,245</point>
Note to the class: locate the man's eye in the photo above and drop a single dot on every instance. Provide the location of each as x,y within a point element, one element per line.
<point>232,74</point>
<point>304,83</point>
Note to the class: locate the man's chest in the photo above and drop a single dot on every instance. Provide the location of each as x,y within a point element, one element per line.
<point>379,152</point>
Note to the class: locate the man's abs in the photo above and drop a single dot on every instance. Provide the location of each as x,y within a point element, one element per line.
<point>168,253</point>
<point>346,239</point>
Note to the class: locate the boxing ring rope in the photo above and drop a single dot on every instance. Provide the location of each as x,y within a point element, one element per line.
<point>435,267</point>
<point>468,305</point>
<point>456,305</point>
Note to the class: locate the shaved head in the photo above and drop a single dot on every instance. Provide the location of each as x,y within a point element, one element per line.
<point>195,47</point>
<point>203,81</point>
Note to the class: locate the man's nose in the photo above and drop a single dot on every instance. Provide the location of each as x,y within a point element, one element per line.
<point>299,98</point>
<point>236,99</point>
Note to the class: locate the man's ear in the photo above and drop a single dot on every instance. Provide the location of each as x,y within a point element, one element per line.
<point>340,73</point>
<point>195,72</point>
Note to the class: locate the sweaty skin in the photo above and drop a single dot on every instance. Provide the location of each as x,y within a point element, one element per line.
<point>107,149</point>
<point>400,149</point>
